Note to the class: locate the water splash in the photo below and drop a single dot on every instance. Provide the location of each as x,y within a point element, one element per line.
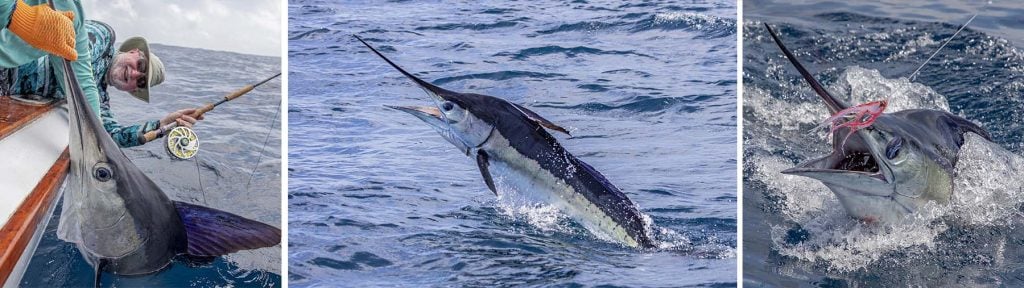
<point>550,218</point>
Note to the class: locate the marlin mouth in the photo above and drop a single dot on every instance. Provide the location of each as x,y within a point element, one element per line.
<point>857,154</point>
<point>425,113</point>
<point>418,110</point>
<point>855,158</point>
<point>858,162</point>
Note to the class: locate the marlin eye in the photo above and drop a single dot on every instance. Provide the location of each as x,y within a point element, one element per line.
<point>102,172</point>
<point>893,149</point>
<point>447,106</point>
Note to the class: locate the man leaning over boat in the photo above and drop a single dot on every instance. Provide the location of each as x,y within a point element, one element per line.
<point>36,38</point>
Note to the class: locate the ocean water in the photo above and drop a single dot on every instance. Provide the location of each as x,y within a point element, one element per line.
<point>230,138</point>
<point>795,231</point>
<point>377,198</point>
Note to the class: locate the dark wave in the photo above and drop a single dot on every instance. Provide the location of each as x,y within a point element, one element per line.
<point>626,70</point>
<point>309,33</point>
<point>568,52</point>
<point>499,11</point>
<point>359,224</point>
<point>709,26</point>
<point>593,87</point>
<point>309,10</point>
<point>357,261</point>
<point>474,26</point>
<point>672,210</point>
<point>378,30</point>
<point>694,9</point>
<point>642,104</point>
<point>586,26</point>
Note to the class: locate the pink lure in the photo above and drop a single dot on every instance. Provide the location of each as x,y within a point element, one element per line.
<point>855,118</point>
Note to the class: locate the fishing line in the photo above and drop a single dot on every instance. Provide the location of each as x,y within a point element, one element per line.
<point>950,39</point>
<point>199,177</point>
<point>264,147</point>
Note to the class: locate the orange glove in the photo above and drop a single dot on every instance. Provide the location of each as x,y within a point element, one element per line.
<point>44,28</point>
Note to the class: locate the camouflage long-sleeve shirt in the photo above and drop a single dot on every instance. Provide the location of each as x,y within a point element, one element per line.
<point>37,77</point>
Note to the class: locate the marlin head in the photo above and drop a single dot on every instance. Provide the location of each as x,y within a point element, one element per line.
<point>452,117</point>
<point>892,167</point>
<point>106,193</point>
<point>454,123</point>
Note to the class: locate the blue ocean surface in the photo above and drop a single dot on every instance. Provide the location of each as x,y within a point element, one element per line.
<point>796,233</point>
<point>231,138</point>
<point>377,198</point>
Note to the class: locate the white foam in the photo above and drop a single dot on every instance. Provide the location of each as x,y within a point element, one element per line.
<point>696,20</point>
<point>547,218</point>
<point>784,114</point>
<point>988,183</point>
<point>861,85</point>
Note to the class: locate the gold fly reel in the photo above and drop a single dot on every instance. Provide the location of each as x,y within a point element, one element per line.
<point>182,143</point>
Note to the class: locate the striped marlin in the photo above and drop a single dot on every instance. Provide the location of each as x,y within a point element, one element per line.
<point>509,141</point>
<point>890,169</point>
<point>121,221</point>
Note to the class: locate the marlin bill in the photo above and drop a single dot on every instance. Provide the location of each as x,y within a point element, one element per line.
<point>514,151</point>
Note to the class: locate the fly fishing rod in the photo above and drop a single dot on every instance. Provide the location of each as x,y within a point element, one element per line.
<point>182,143</point>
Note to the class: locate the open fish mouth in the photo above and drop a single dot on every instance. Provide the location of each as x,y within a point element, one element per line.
<point>856,159</point>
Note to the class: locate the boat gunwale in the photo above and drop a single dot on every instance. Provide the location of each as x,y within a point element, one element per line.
<point>23,224</point>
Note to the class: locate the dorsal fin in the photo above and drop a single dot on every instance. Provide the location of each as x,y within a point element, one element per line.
<point>540,120</point>
<point>424,84</point>
<point>834,105</point>
<point>965,125</point>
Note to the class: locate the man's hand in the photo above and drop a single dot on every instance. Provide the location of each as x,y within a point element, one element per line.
<point>183,117</point>
<point>44,28</point>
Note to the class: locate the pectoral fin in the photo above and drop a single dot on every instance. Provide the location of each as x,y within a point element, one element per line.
<point>540,120</point>
<point>481,160</point>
